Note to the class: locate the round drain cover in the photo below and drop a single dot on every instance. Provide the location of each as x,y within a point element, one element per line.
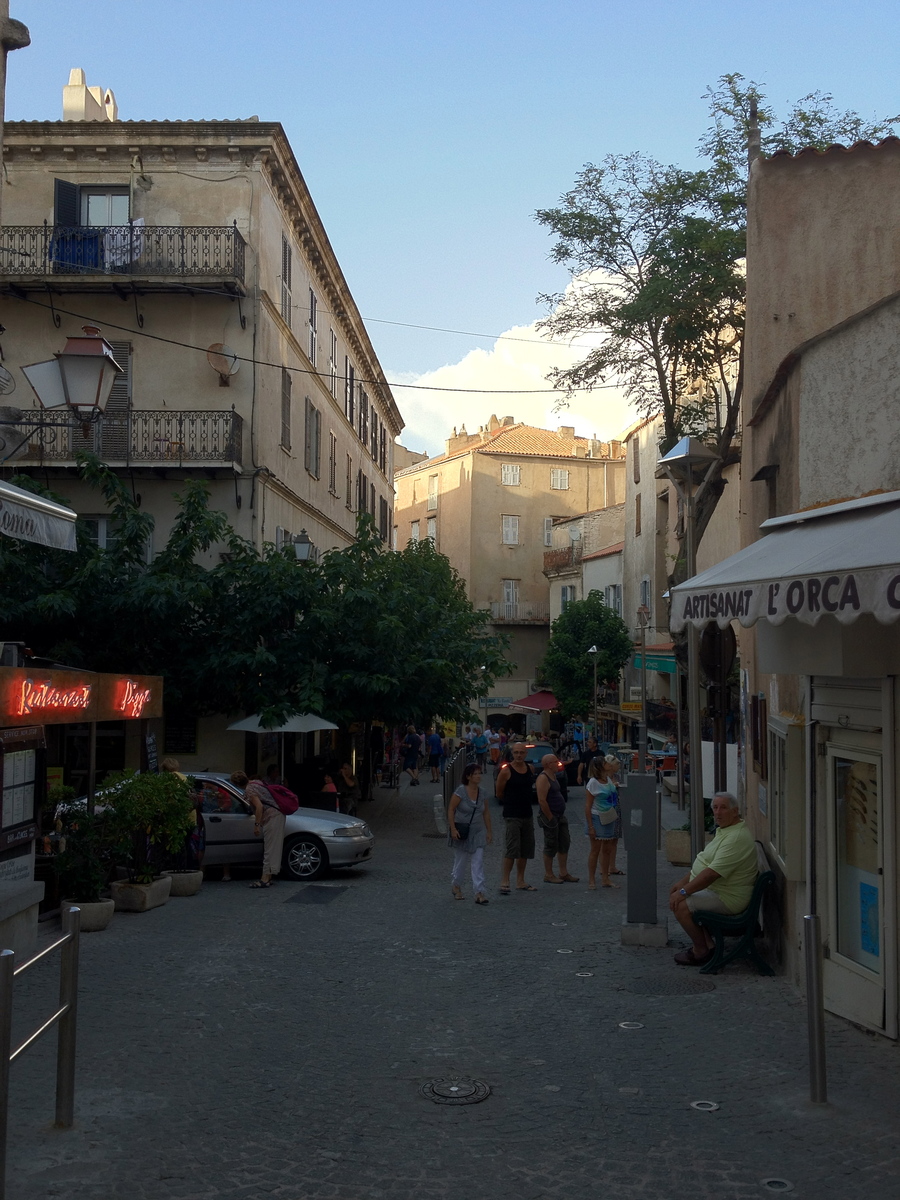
<point>630,1025</point>
<point>669,985</point>
<point>584,974</point>
<point>705,1105</point>
<point>559,924</point>
<point>565,952</point>
<point>455,1091</point>
<point>777,1185</point>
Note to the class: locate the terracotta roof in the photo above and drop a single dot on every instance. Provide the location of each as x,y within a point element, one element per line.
<point>615,548</point>
<point>837,148</point>
<point>528,439</point>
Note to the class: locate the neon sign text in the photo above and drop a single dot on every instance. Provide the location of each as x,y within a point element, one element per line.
<point>41,697</point>
<point>134,698</point>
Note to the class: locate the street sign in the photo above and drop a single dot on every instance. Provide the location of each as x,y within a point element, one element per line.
<point>630,706</point>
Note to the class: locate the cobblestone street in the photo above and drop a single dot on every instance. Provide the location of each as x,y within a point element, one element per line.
<point>274,1044</point>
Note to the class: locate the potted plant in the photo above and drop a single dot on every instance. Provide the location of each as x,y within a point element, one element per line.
<point>150,816</point>
<point>82,865</point>
<point>678,841</point>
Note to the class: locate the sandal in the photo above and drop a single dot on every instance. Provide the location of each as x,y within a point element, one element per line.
<point>569,878</point>
<point>551,879</point>
<point>687,958</point>
<point>526,887</point>
<point>481,899</point>
<point>259,884</point>
<point>457,892</point>
<point>504,889</point>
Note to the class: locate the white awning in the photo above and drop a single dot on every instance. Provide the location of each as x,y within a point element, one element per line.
<point>843,560</point>
<point>34,519</point>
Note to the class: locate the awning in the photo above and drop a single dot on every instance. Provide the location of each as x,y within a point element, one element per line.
<point>843,560</point>
<point>541,701</point>
<point>299,723</point>
<point>33,519</point>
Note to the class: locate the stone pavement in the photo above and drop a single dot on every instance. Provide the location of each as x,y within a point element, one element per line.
<point>243,1044</point>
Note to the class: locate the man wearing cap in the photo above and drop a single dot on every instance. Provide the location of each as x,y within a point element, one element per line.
<point>721,879</point>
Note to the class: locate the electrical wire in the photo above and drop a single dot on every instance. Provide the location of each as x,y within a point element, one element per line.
<point>327,375</point>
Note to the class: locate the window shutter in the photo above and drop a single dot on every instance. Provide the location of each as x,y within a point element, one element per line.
<point>286,386</point>
<point>349,389</point>
<point>317,442</point>
<point>114,432</point>
<point>308,435</point>
<point>548,531</point>
<point>66,203</point>
<point>286,280</point>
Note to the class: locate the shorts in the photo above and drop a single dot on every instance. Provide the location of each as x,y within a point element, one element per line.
<point>601,830</point>
<point>709,901</point>
<point>519,837</point>
<point>410,762</point>
<point>556,835</point>
<point>434,760</point>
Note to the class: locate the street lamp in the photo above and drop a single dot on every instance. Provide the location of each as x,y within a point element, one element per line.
<point>304,549</point>
<point>593,653</point>
<point>79,377</point>
<point>643,616</point>
<point>686,457</point>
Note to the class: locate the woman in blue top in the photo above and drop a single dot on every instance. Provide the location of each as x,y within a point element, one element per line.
<point>469,819</point>
<point>603,823</point>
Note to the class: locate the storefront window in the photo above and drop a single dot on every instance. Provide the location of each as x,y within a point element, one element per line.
<point>855,787</point>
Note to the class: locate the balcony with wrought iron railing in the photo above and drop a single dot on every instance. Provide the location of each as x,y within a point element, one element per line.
<point>139,437</point>
<point>76,256</point>
<point>520,612</point>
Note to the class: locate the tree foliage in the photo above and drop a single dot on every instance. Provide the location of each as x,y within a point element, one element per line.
<point>364,634</point>
<point>656,258</point>
<point>567,666</point>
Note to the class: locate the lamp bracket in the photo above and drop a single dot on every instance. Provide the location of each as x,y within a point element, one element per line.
<point>57,319</point>
<point>138,315</point>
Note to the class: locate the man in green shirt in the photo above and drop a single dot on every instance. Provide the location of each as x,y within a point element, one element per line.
<point>721,879</point>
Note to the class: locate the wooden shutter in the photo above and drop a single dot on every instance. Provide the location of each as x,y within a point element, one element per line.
<point>286,280</point>
<point>114,434</point>
<point>286,386</point>
<point>317,441</point>
<point>66,203</point>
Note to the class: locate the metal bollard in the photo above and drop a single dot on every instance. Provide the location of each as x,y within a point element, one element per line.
<point>815,1009</point>
<point>68,1000</point>
<point>7,967</point>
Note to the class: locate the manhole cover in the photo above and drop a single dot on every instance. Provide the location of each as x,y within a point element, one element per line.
<point>777,1185</point>
<point>630,1025</point>
<point>584,974</point>
<point>669,985</point>
<point>565,952</point>
<point>455,1091</point>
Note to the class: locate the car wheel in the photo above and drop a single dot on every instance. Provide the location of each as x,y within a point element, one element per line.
<point>305,858</point>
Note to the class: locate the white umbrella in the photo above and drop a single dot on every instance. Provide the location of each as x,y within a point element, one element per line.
<point>300,723</point>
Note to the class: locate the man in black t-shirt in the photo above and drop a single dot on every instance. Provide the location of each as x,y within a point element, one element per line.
<point>584,760</point>
<point>514,787</point>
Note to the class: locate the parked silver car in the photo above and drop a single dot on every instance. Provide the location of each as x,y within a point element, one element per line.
<point>314,840</point>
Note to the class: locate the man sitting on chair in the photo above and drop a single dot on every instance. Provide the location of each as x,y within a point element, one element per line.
<point>721,879</point>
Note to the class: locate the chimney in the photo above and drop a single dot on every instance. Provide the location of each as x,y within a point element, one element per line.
<point>508,421</point>
<point>83,103</point>
<point>567,432</point>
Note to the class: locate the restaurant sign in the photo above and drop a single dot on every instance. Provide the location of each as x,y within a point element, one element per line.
<point>29,696</point>
<point>806,597</point>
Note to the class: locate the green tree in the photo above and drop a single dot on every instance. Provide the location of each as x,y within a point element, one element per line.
<point>567,666</point>
<point>656,258</point>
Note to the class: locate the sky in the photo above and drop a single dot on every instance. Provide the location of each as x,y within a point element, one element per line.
<point>429,133</point>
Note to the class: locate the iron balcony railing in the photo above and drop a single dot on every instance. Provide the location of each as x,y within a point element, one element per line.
<point>165,437</point>
<point>520,611</point>
<point>143,251</point>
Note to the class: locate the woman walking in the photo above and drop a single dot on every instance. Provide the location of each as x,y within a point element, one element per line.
<point>469,819</point>
<point>603,822</point>
<point>268,820</point>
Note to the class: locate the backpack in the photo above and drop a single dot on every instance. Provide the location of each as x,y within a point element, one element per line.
<point>284,798</point>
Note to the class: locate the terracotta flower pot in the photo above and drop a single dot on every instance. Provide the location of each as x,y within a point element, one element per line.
<point>677,843</point>
<point>95,914</point>
<point>185,883</point>
<point>139,897</point>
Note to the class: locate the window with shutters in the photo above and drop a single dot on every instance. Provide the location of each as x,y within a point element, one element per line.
<point>313,326</point>
<point>383,519</point>
<point>362,492</point>
<point>432,502</point>
<point>637,515</point>
<point>569,594</point>
<point>332,463</point>
<point>510,530</point>
<point>548,531</point>
<point>287,384</point>
<point>103,531</point>
<point>382,449</point>
<point>431,527</point>
<point>646,596</point>
<point>349,500</point>
<point>414,531</point>
<point>559,479</point>
<point>636,457</point>
<point>363,428</point>
<point>95,205</point>
<point>332,365</point>
<point>372,499</point>
<point>313,438</point>
<point>349,390</point>
<point>373,443</point>
<point>286,264</point>
<point>613,597</point>
<point>110,438</point>
<point>510,474</point>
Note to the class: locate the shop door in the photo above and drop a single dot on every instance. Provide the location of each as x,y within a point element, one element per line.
<point>860,938</point>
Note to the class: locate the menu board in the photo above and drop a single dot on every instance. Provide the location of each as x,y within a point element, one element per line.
<point>18,786</point>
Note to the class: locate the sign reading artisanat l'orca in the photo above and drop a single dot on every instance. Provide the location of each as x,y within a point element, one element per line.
<point>807,597</point>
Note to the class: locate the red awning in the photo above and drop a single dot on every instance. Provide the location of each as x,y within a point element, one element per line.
<point>541,701</point>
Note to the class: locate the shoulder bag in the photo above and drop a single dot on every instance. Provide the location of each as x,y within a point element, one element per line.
<point>463,831</point>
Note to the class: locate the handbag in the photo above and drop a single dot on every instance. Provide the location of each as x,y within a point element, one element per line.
<point>464,832</point>
<point>608,816</point>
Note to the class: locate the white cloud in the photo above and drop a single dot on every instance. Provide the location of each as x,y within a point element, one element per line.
<point>520,365</point>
